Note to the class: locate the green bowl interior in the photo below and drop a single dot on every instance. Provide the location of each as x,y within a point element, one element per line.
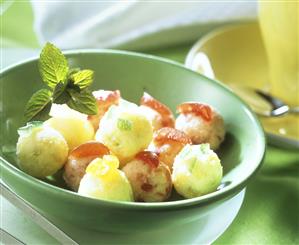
<point>132,74</point>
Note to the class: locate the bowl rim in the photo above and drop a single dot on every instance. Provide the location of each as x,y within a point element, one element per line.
<point>210,35</point>
<point>194,202</point>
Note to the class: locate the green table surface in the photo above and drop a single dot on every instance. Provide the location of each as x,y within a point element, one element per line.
<point>270,211</point>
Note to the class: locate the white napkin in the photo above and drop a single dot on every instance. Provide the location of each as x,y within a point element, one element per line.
<point>132,24</point>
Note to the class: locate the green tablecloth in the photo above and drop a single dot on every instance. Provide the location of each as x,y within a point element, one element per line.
<point>270,212</point>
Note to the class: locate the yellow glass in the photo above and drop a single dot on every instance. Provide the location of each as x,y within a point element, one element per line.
<point>279,24</point>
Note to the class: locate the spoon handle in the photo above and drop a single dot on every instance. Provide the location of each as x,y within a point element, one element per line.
<point>7,238</point>
<point>294,110</point>
<point>38,218</point>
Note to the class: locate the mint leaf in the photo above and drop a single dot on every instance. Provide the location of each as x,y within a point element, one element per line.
<point>83,102</point>
<point>53,65</point>
<point>73,71</point>
<point>39,105</point>
<point>82,78</point>
<point>60,94</point>
<point>72,86</point>
<point>43,115</point>
<point>124,124</point>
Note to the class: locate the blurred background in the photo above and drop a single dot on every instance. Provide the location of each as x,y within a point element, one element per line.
<point>134,25</point>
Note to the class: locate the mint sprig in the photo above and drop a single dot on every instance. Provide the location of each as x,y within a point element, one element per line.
<point>66,86</point>
<point>53,66</point>
<point>82,101</point>
<point>82,78</point>
<point>60,94</point>
<point>39,105</point>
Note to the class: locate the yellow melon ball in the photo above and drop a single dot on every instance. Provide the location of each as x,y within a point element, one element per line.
<point>125,131</point>
<point>75,130</point>
<point>103,180</point>
<point>41,151</point>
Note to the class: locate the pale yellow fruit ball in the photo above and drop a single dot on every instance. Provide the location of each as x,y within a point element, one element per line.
<point>196,171</point>
<point>76,130</point>
<point>41,151</point>
<point>104,181</point>
<point>153,116</point>
<point>125,131</point>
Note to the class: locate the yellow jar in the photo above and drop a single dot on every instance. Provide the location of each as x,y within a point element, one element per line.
<point>280,29</point>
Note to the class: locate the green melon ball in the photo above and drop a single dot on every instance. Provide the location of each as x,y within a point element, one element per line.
<point>125,131</point>
<point>41,151</point>
<point>196,171</point>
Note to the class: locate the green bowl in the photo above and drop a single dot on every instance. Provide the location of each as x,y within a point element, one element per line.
<point>241,153</point>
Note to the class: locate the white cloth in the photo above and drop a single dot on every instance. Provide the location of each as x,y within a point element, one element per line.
<point>132,24</point>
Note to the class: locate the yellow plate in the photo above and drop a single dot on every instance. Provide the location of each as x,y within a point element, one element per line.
<point>235,55</point>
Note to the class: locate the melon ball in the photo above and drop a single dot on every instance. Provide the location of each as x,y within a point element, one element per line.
<point>149,178</point>
<point>78,160</point>
<point>196,171</point>
<point>163,116</point>
<point>104,98</point>
<point>167,143</point>
<point>202,123</point>
<point>153,116</point>
<point>41,150</point>
<point>76,130</point>
<point>125,131</point>
<point>103,180</point>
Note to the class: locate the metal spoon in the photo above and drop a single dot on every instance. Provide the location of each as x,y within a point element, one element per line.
<point>260,102</point>
<point>263,103</point>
